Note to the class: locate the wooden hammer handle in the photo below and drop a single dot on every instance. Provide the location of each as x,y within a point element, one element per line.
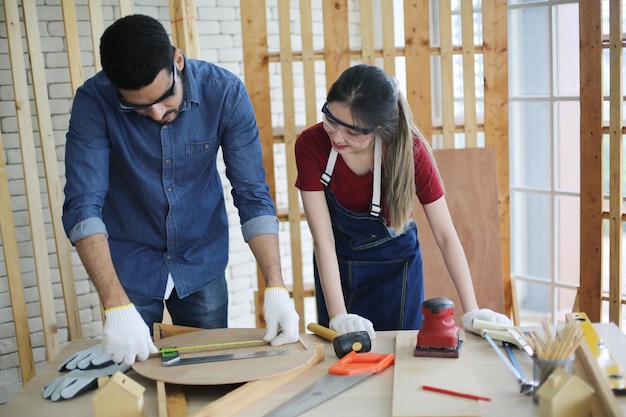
<point>322,331</point>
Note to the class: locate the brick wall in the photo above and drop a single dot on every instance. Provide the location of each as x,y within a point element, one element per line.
<point>220,42</point>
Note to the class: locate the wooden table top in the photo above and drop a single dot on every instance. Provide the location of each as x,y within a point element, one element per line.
<point>372,397</point>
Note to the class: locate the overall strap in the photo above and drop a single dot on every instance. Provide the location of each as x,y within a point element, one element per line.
<point>326,176</point>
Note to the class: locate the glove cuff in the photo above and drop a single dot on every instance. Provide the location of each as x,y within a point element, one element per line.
<point>122,315</point>
<point>276,294</point>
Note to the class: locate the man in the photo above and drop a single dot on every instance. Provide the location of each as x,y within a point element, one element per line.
<point>144,200</point>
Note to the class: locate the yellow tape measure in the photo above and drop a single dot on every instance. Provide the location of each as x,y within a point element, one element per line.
<point>608,365</point>
<point>213,346</point>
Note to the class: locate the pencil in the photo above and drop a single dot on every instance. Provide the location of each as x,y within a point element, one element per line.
<point>455,393</point>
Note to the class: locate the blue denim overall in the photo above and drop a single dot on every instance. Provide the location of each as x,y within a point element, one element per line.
<point>381,272</point>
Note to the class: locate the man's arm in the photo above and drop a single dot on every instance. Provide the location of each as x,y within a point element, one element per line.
<point>280,315</point>
<point>95,255</point>
<point>267,254</point>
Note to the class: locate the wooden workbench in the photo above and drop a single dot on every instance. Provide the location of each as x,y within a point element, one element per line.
<point>372,397</point>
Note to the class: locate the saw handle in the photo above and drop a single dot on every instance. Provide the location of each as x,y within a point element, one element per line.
<point>358,363</point>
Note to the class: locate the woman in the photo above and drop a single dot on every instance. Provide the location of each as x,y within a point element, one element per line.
<point>359,171</point>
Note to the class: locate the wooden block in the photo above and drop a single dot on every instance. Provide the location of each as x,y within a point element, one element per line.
<point>410,373</point>
<point>473,201</point>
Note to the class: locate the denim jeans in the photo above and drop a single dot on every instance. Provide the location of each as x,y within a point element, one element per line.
<point>206,308</point>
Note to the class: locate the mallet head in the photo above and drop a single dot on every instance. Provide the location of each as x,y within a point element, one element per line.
<point>355,341</point>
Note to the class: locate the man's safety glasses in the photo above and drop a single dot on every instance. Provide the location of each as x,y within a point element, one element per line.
<point>126,106</point>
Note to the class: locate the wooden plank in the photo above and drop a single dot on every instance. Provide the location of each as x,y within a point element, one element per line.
<point>411,372</point>
<point>126,7</point>
<point>72,44</point>
<point>496,90</point>
<point>286,66</point>
<point>469,75</point>
<point>14,275</point>
<point>478,228</point>
<point>389,45</point>
<point>171,400</point>
<point>590,29</point>
<point>367,32</point>
<point>336,39</point>
<point>31,179</point>
<point>97,28</point>
<point>185,26</point>
<point>49,155</point>
<point>247,394</point>
<point>257,79</point>
<point>417,56</point>
<point>308,62</point>
<point>616,161</point>
<point>447,77</point>
<point>585,360</point>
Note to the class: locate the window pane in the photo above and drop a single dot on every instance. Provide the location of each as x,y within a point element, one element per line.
<point>568,239</point>
<point>531,230</point>
<point>566,51</point>
<point>535,301</point>
<point>530,143</point>
<point>567,123</point>
<point>529,51</point>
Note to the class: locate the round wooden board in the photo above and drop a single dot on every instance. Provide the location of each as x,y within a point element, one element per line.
<point>224,372</point>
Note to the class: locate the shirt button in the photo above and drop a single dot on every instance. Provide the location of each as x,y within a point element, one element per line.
<point>206,146</point>
<point>167,161</point>
<point>169,189</point>
<point>169,256</point>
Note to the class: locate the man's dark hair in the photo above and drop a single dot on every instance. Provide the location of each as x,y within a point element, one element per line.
<point>133,50</point>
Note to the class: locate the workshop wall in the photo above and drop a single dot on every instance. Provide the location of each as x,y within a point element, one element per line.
<point>219,30</point>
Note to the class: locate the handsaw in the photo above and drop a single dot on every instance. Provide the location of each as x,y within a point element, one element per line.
<point>348,371</point>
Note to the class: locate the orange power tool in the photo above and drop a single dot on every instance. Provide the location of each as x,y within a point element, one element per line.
<point>439,335</point>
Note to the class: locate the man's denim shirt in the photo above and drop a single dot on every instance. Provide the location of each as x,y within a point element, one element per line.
<point>155,190</point>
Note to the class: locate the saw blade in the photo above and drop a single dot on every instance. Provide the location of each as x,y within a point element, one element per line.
<point>321,390</point>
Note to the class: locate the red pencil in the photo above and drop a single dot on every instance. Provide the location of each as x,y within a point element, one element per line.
<point>456,393</point>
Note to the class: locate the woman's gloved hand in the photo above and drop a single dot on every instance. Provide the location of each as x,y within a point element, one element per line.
<point>482,314</point>
<point>126,336</point>
<point>280,315</point>
<point>348,323</point>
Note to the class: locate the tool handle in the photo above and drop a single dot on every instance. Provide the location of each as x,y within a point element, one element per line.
<point>358,363</point>
<point>322,331</point>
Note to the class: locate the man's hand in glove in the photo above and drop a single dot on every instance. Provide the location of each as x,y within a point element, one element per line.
<point>78,381</point>
<point>126,336</point>
<point>92,358</point>
<point>482,314</point>
<point>349,323</point>
<point>280,314</point>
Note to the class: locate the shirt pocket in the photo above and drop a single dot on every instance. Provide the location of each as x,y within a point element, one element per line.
<point>199,156</point>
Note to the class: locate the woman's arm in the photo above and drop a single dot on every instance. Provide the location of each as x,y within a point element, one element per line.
<point>318,218</point>
<point>447,239</point>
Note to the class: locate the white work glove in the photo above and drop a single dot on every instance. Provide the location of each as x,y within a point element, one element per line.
<point>126,336</point>
<point>482,314</point>
<point>279,311</point>
<point>78,381</point>
<point>348,323</point>
<point>92,358</point>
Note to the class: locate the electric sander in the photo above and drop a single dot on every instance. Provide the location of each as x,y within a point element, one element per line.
<point>439,336</point>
